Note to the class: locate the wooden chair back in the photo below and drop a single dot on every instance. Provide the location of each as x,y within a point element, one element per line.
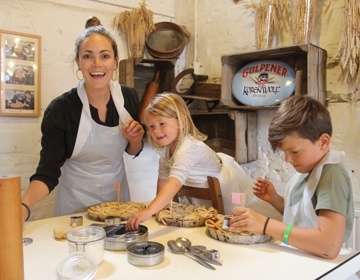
<point>213,193</point>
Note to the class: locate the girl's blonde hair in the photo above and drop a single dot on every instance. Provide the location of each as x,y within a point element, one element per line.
<point>171,105</point>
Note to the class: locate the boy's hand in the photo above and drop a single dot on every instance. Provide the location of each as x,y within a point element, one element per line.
<point>264,189</point>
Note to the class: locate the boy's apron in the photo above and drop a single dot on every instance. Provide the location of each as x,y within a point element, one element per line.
<point>97,161</point>
<point>303,213</point>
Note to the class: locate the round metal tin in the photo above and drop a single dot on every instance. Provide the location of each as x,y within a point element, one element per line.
<point>263,83</point>
<point>146,253</point>
<point>118,238</point>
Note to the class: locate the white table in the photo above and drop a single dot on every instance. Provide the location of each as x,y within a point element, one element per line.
<point>271,260</point>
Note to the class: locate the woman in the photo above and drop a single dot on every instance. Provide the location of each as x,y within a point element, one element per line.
<point>86,131</point>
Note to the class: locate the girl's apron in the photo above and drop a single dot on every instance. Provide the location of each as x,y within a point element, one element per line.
<point>97,161</point>
<point>303,213</point>
<point>233,179</point>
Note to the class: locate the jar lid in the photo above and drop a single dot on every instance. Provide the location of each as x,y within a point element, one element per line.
<point>86,234</point>
<point>77,266</point>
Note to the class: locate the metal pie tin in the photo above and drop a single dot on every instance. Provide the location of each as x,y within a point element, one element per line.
<point>145,253</point>
<point>77,220</point>
<point>118,238</point>
<point>112,220</point>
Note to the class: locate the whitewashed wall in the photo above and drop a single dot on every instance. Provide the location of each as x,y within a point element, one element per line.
<point>58,22</point>
<point>217,28</point>
<point>223,28</point>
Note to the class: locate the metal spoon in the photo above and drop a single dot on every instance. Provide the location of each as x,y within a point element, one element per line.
<point>178,248</point>
<point>187,244</point>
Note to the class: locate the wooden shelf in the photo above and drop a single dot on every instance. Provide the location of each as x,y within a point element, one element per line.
<point>308,61</point>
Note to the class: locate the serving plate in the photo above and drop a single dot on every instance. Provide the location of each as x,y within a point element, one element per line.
<point>263,83</point>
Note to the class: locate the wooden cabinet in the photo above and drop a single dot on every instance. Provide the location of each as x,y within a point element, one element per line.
<point>232,128</point>
<point>137,73</point>
<point>232,132</point>
<point>308,61</point>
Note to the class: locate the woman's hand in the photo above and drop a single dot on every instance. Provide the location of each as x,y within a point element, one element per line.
<point>133,132</point>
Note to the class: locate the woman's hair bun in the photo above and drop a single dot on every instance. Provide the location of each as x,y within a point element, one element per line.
<point>93,21</point>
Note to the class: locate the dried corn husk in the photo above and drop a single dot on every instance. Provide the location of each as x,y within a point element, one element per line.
<point>348,52</point>
<point>136,24</point>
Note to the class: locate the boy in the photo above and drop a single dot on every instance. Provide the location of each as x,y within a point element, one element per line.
<point>317,208</point>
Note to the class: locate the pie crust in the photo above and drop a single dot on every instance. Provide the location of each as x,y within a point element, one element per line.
<point>124,210</point>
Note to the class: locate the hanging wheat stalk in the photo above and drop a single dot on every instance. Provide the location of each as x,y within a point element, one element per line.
<point>302,20</point>
<point>267,20</point>
<point>348,53</point>
<point>136,24</point>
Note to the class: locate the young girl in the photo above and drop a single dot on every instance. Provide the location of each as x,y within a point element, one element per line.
<point>185,159</point>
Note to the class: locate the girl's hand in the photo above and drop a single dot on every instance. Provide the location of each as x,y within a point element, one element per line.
<point>137,218</point>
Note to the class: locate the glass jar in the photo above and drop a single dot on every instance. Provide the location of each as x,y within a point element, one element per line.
<point>89,239</point>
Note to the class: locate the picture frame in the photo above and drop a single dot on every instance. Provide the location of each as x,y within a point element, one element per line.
<point>20,68</point>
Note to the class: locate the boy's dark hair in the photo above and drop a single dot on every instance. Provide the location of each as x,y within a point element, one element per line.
<point>300,114</point>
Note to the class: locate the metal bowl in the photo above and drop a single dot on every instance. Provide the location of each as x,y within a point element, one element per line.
<point>118,238</point>
<point>145,253</point>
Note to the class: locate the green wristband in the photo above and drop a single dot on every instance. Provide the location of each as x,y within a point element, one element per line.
<point>287,233</point>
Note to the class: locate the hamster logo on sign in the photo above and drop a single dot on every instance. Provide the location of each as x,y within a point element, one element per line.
<point>263,83</point>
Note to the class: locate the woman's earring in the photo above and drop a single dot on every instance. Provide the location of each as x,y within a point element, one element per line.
<point>116,76</point>
<point>77,75</point>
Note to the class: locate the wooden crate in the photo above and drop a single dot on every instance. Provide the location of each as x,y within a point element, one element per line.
<point>232,132</point>
<point>137,73</point>
<point>308,61</point>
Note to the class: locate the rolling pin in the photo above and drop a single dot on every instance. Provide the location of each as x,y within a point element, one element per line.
<point>11,247</point>
<point>151,91</point>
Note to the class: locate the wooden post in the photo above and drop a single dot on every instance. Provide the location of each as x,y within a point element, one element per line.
<point>11,248</point>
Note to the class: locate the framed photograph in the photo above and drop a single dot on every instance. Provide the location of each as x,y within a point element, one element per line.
<point>20,74</point>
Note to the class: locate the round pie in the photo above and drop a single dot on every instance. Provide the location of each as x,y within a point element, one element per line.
<point>123,210</point>
<point>184,215</point>
<point>215,230</point>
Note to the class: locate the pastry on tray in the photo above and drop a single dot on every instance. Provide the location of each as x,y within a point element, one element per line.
<point>184,215</point>
<point>123,210</point>
<point>214,228</point>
